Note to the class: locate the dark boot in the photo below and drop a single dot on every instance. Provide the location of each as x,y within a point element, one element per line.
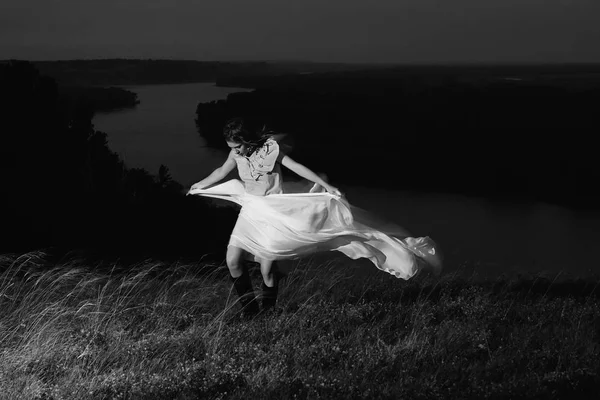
<point>269,297</point>
<point>244,289</point>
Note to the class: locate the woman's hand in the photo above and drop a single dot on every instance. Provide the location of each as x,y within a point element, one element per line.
<point>306,173</point>
<point>197,185</point>
<point>217,175</point>
<point>333,190</point>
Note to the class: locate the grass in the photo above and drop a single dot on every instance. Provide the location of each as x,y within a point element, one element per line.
<point>78,329</point>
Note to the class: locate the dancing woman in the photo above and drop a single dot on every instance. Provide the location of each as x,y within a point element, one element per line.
<point>273,225</point>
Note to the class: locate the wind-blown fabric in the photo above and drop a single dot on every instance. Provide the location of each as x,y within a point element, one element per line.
<point>293,225</point>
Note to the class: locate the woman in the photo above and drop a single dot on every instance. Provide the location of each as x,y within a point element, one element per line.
<point>273,225</point>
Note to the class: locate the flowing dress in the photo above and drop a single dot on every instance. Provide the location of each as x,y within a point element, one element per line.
<point>274,225</point>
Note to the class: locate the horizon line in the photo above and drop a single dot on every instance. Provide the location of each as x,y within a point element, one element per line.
<point>288,61</point>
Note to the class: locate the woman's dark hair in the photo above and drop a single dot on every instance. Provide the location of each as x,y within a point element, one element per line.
<point>237,130</point>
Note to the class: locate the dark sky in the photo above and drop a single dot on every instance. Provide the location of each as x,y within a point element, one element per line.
<point>381,31</point>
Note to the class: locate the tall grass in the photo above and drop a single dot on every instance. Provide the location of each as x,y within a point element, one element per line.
<point>79,329</point>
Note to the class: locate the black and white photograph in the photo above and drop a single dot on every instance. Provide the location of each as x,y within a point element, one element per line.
<point>299,200</point>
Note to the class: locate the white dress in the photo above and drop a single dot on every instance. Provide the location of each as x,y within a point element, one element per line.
<point>280,226</point>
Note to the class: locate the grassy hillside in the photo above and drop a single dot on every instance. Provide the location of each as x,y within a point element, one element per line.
<point>76,328</point>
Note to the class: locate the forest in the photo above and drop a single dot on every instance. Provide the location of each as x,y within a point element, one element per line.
<point>519,134</point>
<point>63,188</point>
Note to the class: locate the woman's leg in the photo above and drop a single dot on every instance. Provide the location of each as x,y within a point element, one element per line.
<point>269,285</point>
<point>241,280</point>
<point>267,269</point>
<point>234,261</point>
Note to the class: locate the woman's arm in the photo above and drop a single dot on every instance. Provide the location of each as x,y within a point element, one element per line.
<point>308,174</point>
<point>217,174</point>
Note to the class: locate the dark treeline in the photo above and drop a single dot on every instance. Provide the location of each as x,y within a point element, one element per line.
<point>63,188</point>
<point>377,78</point>
<point>501,133</point>
<point>98,98</point>
<point>140,72</point>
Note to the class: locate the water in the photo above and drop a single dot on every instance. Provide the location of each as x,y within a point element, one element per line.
<point>162,130</point>
<point>474,234</point>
